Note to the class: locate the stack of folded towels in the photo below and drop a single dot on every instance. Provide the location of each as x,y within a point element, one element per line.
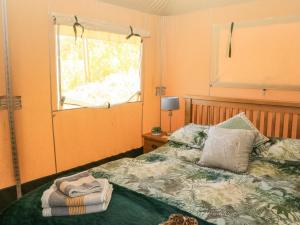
<point>75,195</point>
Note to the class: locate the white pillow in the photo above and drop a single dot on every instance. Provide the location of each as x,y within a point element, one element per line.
<point>228,149</point>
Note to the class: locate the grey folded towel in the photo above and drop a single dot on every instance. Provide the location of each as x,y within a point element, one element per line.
<point>53,197</point>
<point>79,210</point>
<point>79,184</point>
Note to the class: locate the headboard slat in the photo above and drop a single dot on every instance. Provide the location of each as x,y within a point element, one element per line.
<point>211,115</point>
<point>255,118</point>
<point>269,124</point>
<point>222,114</point>
<point>281,125</point>
<point>266,115</point>
<point>273,126</point>
<point>290,124</point>
<point>298,127</point>
<point>272,118</point>
<point>200,114</point>
<point>234,111</point>
<point>195,113</point>
<point>262,122</point>
<point>285,125</point>
<point>205,115</point>
<point>227,113</point>
<point>294,128</point>
<point>188,111</point>
<point>277,125</point>
<point>216,115</point>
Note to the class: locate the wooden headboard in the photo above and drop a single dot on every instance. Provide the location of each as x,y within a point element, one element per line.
<point>272,118</point>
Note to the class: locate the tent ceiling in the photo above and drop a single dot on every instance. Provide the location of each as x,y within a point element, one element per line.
<point>172,7</point>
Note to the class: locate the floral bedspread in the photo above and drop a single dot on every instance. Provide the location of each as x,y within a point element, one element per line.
<point>269,193</point>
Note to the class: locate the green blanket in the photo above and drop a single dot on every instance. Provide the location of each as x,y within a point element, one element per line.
<point>126,208</point>
<point>269,193</point>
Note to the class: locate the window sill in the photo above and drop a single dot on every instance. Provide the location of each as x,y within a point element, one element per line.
<point>68,107</point>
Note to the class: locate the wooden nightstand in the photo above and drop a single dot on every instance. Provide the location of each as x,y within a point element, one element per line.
<point>152,142</point>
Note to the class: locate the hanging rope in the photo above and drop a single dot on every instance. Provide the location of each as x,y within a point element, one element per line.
<point>77,25</point>
<point>133,34</point>
<point>230,47</point>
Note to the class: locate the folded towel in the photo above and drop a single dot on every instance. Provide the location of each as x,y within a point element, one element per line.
<point>52,197</point>
<point>79,210</point>
<point>79,184</point>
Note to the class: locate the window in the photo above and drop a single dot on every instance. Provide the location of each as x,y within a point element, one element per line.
<point>99,69</point>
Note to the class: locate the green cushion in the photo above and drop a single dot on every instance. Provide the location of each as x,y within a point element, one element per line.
<point>241,121</point>
<point>192,135</point>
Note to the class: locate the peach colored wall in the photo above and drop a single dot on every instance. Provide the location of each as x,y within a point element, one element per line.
<point>105,132</point>
<point>81,135</point>
<point>85,135</point>
<point>30,72</point>
<point>189,42</point>
<point>261,54</point>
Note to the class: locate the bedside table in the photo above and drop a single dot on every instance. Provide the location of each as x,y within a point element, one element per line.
<point>152,142</point>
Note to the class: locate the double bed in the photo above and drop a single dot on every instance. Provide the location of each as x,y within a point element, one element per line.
<point>149,188</point>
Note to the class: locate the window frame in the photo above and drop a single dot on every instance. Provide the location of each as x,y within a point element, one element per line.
<point>59,104</point>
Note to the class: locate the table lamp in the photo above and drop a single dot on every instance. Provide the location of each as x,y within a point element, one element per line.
<point>170,103</point>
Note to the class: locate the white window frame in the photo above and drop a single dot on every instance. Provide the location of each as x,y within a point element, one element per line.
<point>104,26</point>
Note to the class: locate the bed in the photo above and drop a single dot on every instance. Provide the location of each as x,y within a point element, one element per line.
<point>147,189</point>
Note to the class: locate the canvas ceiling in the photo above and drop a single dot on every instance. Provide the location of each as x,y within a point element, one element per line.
<point>171,7</point>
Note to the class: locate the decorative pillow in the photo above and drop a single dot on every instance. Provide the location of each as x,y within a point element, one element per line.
<point>228,149</point>
<point>280,150</point>
<point>240,121</point>
<point>192,135</point>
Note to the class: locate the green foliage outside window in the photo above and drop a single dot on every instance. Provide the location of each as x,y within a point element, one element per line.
<point>110,66</point>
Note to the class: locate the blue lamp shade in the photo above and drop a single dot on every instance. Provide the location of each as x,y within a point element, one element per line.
<point>169,103</point>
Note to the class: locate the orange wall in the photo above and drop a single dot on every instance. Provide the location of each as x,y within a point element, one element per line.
<point>81,135</point>
<point>261,54</point>
<point>188,48</point>
<point>99,133</point>
<point>86,135</point>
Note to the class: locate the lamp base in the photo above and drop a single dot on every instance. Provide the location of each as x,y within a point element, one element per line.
<point>170,123</point>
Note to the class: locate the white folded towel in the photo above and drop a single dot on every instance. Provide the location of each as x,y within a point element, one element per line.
<point>79,210</point>
<point>52,197</point>
<point>80,184</point>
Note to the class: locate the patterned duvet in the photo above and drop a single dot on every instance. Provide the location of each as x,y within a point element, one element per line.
<point>269,193</point>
